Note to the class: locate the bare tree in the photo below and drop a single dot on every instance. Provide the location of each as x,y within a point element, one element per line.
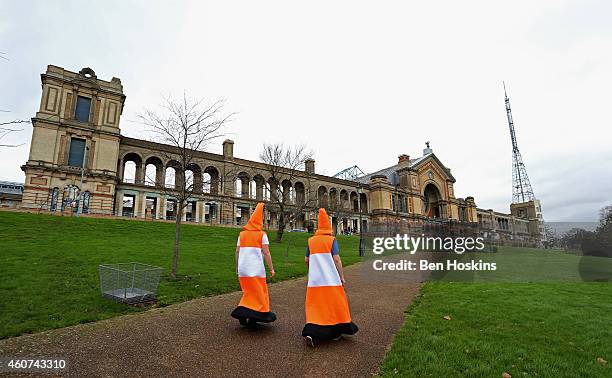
<point>188,126</point>
<point>552,237</point>
<point>7,128</point>
<point>605,216</point>
<point>285,165</point>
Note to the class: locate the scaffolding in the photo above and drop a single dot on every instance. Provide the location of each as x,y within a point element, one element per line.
<point>350,173</point>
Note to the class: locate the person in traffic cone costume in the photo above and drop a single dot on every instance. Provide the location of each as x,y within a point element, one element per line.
<point>327,309</point>
<point>251,251</point>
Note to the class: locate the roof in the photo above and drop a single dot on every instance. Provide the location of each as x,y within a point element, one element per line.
<point>391,172</point>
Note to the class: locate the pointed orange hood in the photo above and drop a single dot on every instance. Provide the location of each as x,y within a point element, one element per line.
<point>324,226</point>
<point>256,220</point>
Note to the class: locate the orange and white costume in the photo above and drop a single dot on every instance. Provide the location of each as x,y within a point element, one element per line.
<point>255,303</point>
<point>327,308</point>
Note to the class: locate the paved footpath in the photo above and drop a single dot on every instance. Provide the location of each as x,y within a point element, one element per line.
<point>199,338</point>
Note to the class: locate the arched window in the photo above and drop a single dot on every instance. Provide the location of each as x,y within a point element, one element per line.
<point>69,198</point>
<point>266,193</point>
<point>189,183</point>
<point>300,195</point>
<point>150,174</point>
<point>85,202</point>
<point>322,196</point>
<point>206,182</point>
<point>54,196</point>
<point>253,188</point>
<point>238,187</point>
<point>170,178</point>
<point>129,172</point>
<point>211,180</point>
<point>292,194</point>
<point>242,185</point>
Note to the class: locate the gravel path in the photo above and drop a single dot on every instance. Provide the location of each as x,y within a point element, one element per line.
<point>199,338</point>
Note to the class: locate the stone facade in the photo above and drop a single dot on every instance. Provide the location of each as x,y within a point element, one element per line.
<point>56,130</point>
<point>78,161</point>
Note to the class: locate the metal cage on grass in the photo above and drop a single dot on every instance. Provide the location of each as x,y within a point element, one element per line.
<point>129,282</point>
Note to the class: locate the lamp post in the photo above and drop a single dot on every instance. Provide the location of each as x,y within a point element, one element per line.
<point>361,246</point>
<point>80,203</point>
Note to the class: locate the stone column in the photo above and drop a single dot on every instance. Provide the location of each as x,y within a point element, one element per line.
<point>118,203</point>
<point>137,204</point>
<point>200,212</point>
<point>139,175</point>
<point>160,176</point>
<point>162,207</point>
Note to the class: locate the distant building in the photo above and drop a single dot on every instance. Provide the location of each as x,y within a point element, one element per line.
<point>10,194</point>
<point>77,130</point>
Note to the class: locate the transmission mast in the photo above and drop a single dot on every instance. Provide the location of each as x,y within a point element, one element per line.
<point>521,188</point>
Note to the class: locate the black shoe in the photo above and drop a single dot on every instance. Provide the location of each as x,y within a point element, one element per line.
<point>243,322</point>
<point>310,341</point>
<point>251,324</point>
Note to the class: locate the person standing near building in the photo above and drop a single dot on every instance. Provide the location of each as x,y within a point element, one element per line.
<point>252,249</point>
<point>327,309</point>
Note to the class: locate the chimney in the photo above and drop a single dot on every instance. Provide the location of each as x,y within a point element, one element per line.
<point>403,157</point>
<point>228,148</point>
<point>309,166</point>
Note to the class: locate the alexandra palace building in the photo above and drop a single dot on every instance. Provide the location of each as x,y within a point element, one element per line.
<point>80,162</point>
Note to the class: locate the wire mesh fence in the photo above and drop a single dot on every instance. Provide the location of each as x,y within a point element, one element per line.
<point>129,282</point>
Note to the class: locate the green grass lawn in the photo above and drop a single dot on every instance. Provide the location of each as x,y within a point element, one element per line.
<point>49,265</point>
<point>546,329</point>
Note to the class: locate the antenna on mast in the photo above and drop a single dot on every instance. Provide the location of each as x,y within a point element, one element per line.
<point>521,187</point>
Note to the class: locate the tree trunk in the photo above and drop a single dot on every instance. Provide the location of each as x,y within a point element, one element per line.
<point>177,236</point>
<point>281,227</point>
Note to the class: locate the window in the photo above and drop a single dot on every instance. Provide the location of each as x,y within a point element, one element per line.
<point>71,193</point>
<point>77,152</point>
<point>83,106</point>
<point>54,195</point>
<point>85,203</point>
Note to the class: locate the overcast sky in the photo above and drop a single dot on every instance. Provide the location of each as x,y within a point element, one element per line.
<point>357,82</point>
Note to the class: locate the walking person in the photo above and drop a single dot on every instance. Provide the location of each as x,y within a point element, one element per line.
<point>252,249</point>
<point>327,309</point>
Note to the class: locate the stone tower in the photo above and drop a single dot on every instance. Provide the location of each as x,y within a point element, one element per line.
<point>75,143</point>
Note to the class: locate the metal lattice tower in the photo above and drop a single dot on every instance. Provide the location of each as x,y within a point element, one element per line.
<point>350,173</point>
<point>521,187</point>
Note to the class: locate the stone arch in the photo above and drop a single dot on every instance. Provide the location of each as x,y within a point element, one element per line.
<point>153,171</point>
<point>344,199</point>
<point>363,199</point>
<point>195,177</point>
<point>258,188</point>
<point>210,180</point>
<point>287,189</point>
<point>300,193</point>
<point>134,172</point>
<point>431,201</point>
<point>322,196</point>
<point>273,190</point>
<point>241,185</point>
<point>354,201</point>
<point>70,196</point>
<point>173,175</point>
<point>131,153</point>
<point>333,198</point>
